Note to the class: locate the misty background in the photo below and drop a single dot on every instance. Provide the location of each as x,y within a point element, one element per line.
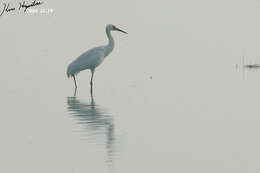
<point>172,96</point>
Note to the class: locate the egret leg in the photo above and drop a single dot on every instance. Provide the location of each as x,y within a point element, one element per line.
<point>91,81</point>
<point>75,92</point>
<point>91,92</point>
<point>75,82</point>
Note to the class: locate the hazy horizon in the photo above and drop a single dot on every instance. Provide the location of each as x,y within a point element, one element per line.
<point>172,96</point>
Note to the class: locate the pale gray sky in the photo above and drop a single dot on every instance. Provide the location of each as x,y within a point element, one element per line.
<point>198,113</point>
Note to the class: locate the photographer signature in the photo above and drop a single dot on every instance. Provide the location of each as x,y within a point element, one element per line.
<point>7,8</point>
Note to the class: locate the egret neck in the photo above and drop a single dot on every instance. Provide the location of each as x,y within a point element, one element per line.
<point>110,46</point>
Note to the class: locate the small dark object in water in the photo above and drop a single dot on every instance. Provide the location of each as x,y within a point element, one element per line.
<point>252,66</point>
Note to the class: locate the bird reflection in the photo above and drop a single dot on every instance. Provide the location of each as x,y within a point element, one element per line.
<point>96,121</point>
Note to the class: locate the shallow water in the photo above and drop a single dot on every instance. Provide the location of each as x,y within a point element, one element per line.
<point>147,125</point>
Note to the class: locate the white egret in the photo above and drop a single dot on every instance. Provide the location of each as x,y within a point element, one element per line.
<point>93,57</point>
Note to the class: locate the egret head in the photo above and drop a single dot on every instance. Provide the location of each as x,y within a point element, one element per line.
<point>111,27</point>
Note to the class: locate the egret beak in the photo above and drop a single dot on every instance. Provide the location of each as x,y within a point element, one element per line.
<point>117,29</point>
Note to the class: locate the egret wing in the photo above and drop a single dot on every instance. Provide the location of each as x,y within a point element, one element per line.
<point>88,60</point>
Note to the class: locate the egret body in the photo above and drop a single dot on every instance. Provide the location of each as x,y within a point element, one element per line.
<point>93,57</point>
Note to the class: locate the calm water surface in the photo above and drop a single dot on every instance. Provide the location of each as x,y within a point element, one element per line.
<point>147,125</point>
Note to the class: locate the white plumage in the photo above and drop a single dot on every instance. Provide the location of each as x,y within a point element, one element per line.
<point>88,60</point>
<point>93,57</point>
